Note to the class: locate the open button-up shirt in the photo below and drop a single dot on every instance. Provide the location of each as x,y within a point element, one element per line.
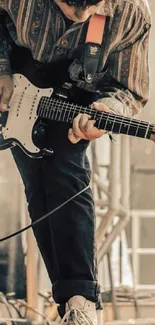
<point>123,75</point>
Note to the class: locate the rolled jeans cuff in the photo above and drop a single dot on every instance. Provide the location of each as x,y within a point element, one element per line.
<point>65,289</point>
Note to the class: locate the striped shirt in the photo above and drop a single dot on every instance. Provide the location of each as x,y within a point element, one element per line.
<point>123,74</point>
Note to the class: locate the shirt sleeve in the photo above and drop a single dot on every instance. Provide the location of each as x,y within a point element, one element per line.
<point>125,87</point>
<point>4,47</point>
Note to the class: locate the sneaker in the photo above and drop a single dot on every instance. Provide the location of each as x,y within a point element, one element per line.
<point>80,311</point>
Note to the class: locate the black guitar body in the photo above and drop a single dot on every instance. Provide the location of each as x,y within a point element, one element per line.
<point>46,134</point>
<point>44,104</point>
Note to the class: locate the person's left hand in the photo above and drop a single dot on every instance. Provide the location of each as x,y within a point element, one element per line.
<point>83,126</point>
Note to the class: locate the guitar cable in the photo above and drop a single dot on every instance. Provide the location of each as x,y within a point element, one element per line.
<point>44,216</point>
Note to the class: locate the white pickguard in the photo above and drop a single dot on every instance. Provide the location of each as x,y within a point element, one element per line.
<point>22,112</point>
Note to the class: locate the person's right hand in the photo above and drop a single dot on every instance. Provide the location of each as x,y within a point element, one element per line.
<point>6,89</point>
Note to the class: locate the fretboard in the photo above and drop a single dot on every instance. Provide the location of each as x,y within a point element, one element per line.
<point>62,111</point>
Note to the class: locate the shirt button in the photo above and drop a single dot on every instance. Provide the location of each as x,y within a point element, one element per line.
<point>64,42</point>
<point>59,51</point>
<point>147,26</point>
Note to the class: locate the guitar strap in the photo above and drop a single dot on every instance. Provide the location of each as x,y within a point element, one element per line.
<point>93,43</point>
<point>86,67</point>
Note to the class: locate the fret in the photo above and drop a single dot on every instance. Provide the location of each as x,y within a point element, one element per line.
<point>41,106</point>
<point>118,124</point>
<point>115,125</point>
<point>52,110</point>
<point>147,129</point>
<point>67,119</point>
<point>106,121</point>
<point>46,110</point>
<point>150,131</point>
<point>92,112</point>
<point>60,114</point>
<point>108,125</point>
<point>138,126</point>
<point>128,126</point>
<point>84,110</point>
<point>141,131</point>
<point>132,129</point>
<point>64,115</point>
<point>100,122</point>
<point>111,122</point>
<point>115,117</point>
<point>121,122</point>
<point>55,109</point>
<point>125,128</point>
<point>80,109</point>
<point>95,115</point>
<point>74,113</point>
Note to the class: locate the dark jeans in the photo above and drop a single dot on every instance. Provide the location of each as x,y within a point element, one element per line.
<point>66,239</point>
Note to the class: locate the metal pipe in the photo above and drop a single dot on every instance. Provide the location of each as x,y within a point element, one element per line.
<point>114,187</point>
<point>31,272</point>
<point>118,170</point>
<point>125,189</point>
<point>104,225</point>
<point>114,174</point>
<point>125,172</point>
<point>13,243</point>
<point>121,224</point>
<point>100,184</point>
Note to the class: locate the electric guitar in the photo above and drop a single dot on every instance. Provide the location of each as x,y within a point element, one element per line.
<point>30,107</point>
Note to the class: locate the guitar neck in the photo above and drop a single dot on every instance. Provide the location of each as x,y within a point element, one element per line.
<point>62,111</point>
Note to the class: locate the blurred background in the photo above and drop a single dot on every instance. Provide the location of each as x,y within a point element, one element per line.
<point>123,178</point>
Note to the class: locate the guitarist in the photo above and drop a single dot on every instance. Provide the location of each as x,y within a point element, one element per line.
<point>45,40</point>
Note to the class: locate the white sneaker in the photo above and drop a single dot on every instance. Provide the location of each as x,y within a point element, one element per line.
<point>80,311</point>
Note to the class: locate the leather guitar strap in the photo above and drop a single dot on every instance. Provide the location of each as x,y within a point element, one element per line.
<point>93,43</point>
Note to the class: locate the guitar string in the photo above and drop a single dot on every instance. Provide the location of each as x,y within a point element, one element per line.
<point>80,109</point>
<point>123,124</point>
<point>57,115</point>
<point>100,113</point>
<point>111,116</point>
<point>138,128</point>
<point>76,107</point>
<point>116,118</point>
